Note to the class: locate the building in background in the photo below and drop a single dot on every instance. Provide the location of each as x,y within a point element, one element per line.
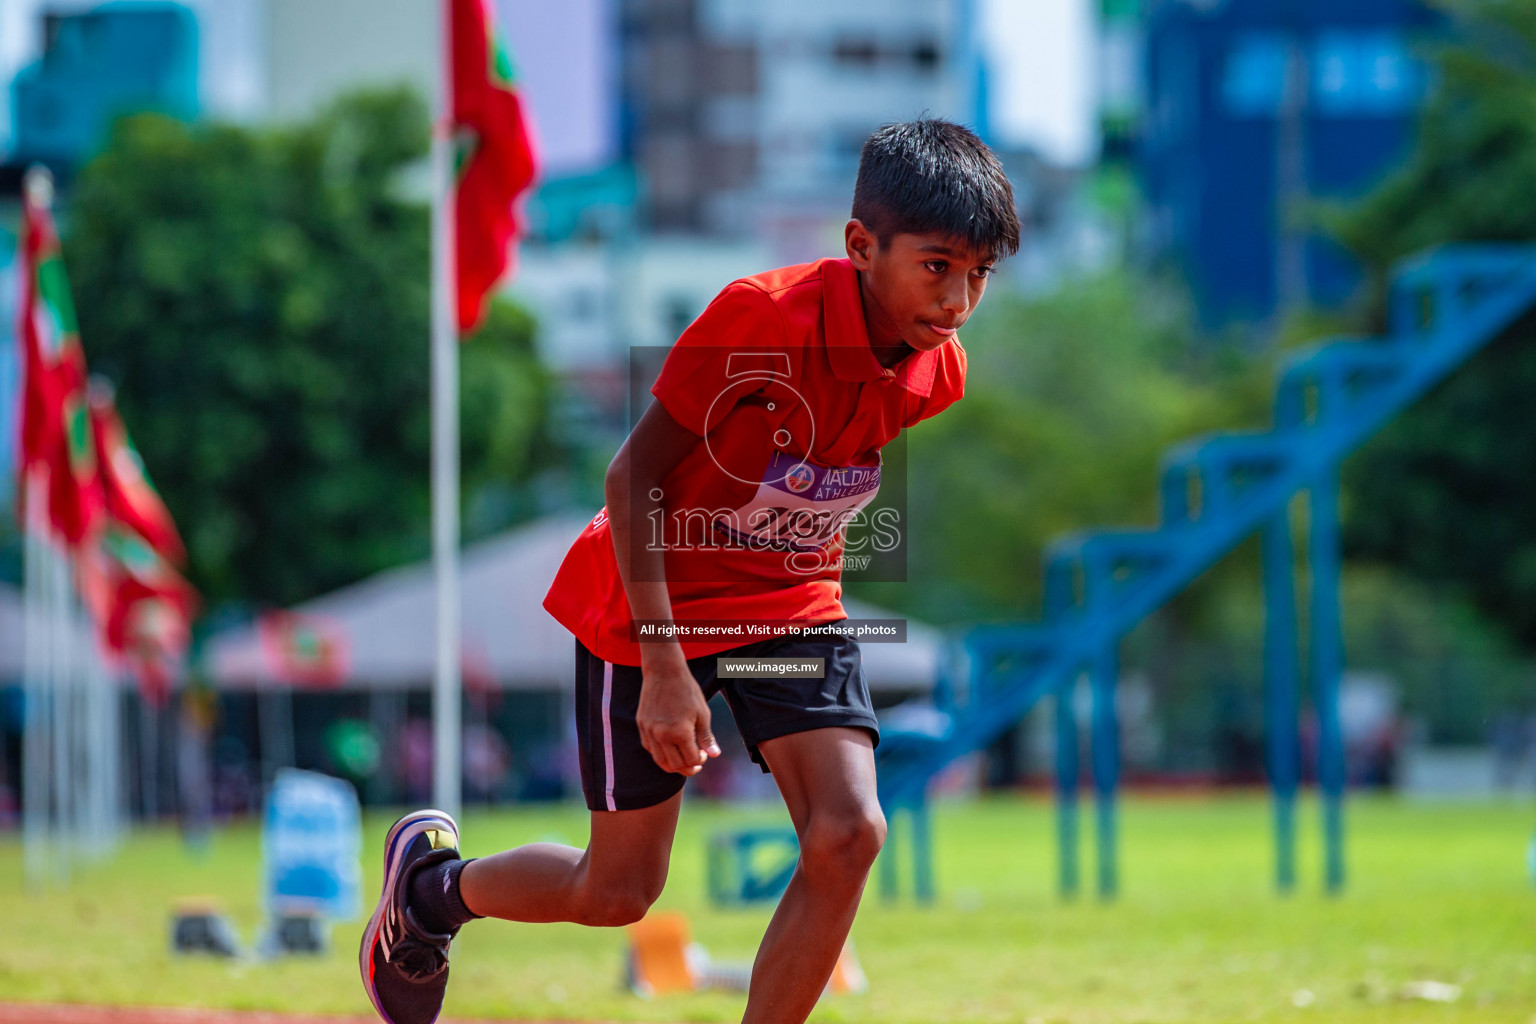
<point>1119,77</point>
<point>747,118</point>
<point>1253,108</point>
<point>313,52</point>
<point>562,54</point>
<point>95,66</point>
<point>688,109</point>
<point>229,43</point>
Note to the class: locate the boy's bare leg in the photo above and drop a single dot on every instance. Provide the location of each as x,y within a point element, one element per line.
<point>610,883</point>
<point>827,777</point>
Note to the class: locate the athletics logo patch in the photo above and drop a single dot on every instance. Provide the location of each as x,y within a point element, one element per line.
<point>799,478</point>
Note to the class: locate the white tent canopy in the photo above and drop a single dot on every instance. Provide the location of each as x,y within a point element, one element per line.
<point>388,625</point>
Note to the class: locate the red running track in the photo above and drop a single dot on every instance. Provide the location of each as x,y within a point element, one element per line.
<point>54,1013</point>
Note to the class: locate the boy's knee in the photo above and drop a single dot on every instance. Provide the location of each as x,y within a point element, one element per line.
<point>617,910</point>
<point>618,905</point>
<point>843,845</point>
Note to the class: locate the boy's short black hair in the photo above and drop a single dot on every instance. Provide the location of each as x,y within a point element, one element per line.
<point>933,175</point>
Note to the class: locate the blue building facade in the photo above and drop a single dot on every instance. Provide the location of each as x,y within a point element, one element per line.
<point>1255,109</point>
<point>118,58</point>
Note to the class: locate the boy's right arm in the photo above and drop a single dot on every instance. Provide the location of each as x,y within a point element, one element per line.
<point>673,716</point>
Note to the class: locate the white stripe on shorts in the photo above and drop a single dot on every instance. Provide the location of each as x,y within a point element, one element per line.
<point>608,735</point>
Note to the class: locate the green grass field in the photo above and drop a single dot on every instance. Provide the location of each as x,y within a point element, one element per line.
<point>1437,892</point>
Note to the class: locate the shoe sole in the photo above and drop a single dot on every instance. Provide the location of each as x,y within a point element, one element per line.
<point>400,837</point>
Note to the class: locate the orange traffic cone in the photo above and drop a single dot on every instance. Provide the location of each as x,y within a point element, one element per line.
<point>659,955</point>
<point>847,974</point>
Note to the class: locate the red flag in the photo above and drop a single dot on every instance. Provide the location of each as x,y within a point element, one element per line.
<point>304,650</point>
<point>157,637</point>
<point>130,498</point>
<point>142,607</point>
<point>40,334</point>
<point>55,429</point>
<point>122,571</point>
<point>495,158</point>
<point>75,500</point>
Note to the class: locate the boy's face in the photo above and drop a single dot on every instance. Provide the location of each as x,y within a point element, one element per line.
<point>916,288</point>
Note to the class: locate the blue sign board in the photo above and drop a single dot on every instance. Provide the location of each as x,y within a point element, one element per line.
<point>311,845</point>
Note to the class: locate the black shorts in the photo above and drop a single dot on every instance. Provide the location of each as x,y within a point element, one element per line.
<point>618,774</point>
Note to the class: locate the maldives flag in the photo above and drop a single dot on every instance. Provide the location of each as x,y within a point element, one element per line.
<point>494,155</point>
<point>123,571</point>
<point>142,607</point>
<point>130,498</point>
<point>44,326</point>
<point>75,498</point>
<point>157,637</point>
<point>55,429</point>
<point>304,650</point>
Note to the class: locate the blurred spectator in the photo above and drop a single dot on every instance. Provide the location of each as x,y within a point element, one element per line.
<point>487,762</point>
<point>10,806</point>
<point>413,760</point>
<point>194,762</point>
<point>236,782</point>
<point>1371,726</point>
<point>1510,738</point>
<point>1239,749</point>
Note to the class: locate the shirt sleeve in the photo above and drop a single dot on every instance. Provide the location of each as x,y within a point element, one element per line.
<point>948,384</point>
<point>735,335</point>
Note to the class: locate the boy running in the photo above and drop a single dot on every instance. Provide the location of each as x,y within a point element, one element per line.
<point>725,516</point>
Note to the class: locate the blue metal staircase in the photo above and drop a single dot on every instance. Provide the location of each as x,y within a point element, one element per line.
<point>1216,491</point>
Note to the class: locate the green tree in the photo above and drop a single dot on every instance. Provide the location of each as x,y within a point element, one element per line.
<point>261,299</point>
<point>1447,490</point>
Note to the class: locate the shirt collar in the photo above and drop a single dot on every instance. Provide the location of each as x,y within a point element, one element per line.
<point>848,339</point>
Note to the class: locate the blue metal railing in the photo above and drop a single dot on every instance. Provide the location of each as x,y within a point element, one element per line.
<point>1216,491</point>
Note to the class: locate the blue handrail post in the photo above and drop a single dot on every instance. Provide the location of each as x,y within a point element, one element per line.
<point>1066,790</point>
<point>1105,752</point>
<point>1327,662</point>
<point>1280,697</point>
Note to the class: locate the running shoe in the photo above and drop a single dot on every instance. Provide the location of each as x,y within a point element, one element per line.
<point>404,966</point>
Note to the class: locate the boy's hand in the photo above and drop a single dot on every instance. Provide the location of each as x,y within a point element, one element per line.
<point>674,720</point>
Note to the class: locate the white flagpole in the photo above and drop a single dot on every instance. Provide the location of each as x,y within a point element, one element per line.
<point>82,706</point>
<point>35,755</point>
<point>447,685</point>
<point>149,760</point>
<point>39,736</point>
<point>97,751</point>
<point>111,752</point>
<point>63,718</point>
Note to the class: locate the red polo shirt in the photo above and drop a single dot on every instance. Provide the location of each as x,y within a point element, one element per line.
<point>792,408</point>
